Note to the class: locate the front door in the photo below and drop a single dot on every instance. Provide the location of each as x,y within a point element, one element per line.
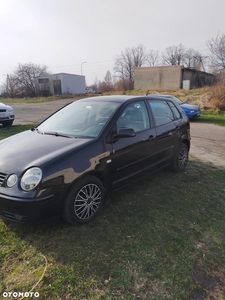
<point>133,156</point>
<point>57,87</point>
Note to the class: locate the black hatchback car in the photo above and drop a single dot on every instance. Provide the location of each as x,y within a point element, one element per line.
<point>68,163</point>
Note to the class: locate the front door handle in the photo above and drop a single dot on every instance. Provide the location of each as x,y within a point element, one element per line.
<point>151,137</point>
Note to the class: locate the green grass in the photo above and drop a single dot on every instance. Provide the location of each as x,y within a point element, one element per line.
<point>8,131</point>
<point>213,117</point>
<point>160,238</point>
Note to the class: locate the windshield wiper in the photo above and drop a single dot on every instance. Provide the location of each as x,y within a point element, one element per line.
<point>55,133</point>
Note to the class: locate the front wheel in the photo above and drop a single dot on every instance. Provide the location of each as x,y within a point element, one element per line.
<point>84,200</point>
<point>181,159</point>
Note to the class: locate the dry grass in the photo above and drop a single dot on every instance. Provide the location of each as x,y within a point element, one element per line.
<point>216,99</point>
<point>212,98</point>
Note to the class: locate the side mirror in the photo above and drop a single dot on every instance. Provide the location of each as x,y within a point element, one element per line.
<point>125,132</point>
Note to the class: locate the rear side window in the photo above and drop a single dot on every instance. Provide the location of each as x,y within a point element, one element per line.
<point>174,110</point>
<point>161,111</point>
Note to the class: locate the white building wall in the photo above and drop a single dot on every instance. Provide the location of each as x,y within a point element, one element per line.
<point>73,84</point>
<point>70,83</point>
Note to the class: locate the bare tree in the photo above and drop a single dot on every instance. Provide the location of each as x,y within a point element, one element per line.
<point>139,55</point>
<point>21,82</point>
<point>108,81</point>
<point>173,55</point>
<point>127,60</point>
<point>95,85</point>
<point>107,84</point>
<point>193,59</point>
<point>217,49</point>
<point>152,58</point>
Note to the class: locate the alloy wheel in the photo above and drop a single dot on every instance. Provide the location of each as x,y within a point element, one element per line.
<point>183,158</point>
<point>87,201</point>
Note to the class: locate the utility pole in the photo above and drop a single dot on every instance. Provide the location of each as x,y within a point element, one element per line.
<point>7,84</point>
<point>200,59</point>
<point>84,62</point>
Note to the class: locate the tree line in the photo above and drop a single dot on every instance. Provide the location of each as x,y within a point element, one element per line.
<point>21,82</point>
<point>138,56</point>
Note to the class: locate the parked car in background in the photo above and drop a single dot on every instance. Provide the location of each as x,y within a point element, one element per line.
<point>68,163</point>
<point>98,92</point>
<point>7,115</point>
<point>89,90</point>
<point>192,111</point>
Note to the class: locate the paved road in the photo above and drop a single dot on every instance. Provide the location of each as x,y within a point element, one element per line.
<point>207,144</point>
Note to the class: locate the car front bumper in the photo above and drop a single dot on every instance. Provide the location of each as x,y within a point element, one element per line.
<point>193,115</point>
<point>10,117</point>
<point>28,210</point>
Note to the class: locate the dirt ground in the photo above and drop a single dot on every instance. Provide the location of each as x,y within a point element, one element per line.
<point>207,143</point>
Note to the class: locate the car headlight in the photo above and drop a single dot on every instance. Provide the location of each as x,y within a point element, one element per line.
<point>31,178</point>
<point>11,180</point>
<point>10,109</point>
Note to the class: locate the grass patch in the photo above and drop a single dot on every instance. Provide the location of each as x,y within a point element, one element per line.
<point>8,131</point>
<point>214,117</point>
<point>160,238</point>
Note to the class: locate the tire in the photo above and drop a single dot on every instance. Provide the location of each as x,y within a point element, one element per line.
<point>84,201</point>
<point>7,123</point>
<point>181,159</point>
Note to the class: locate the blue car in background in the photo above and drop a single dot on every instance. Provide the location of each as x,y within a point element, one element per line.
<point>192,111</point>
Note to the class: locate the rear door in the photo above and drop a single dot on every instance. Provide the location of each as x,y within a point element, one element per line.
<point>167,130</point>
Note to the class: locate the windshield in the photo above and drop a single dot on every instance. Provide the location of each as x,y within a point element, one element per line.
<point>79,119</point>
<point>177,100</point>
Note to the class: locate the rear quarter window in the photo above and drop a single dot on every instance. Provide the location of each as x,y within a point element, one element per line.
<point>175,111</point>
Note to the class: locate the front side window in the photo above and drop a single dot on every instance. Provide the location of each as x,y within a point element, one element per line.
<point>134,116</point>
<point>161,111</point>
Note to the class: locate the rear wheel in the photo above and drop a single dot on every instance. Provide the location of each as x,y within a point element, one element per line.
<point>181,159</point>
<point>7,123</point>
<point>84,200</point>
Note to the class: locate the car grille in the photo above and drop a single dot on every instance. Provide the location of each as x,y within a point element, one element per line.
<point>2,110</point>
<point>2,178</point>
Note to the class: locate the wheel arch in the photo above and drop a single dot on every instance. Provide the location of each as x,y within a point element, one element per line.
<point>187,143</point>
<point>98,175</point>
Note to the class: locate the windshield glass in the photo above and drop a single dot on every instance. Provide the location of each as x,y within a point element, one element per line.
<point>79,119</point>
<point>177,100</point>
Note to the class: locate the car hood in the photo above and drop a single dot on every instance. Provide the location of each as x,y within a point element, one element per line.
<point>31,148</point>
<point>3,106</point>
<point>189,106</point>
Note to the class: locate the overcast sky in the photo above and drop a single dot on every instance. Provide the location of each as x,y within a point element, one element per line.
<point>62,34</point>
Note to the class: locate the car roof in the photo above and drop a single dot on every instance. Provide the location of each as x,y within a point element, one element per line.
<point>120,98</point>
